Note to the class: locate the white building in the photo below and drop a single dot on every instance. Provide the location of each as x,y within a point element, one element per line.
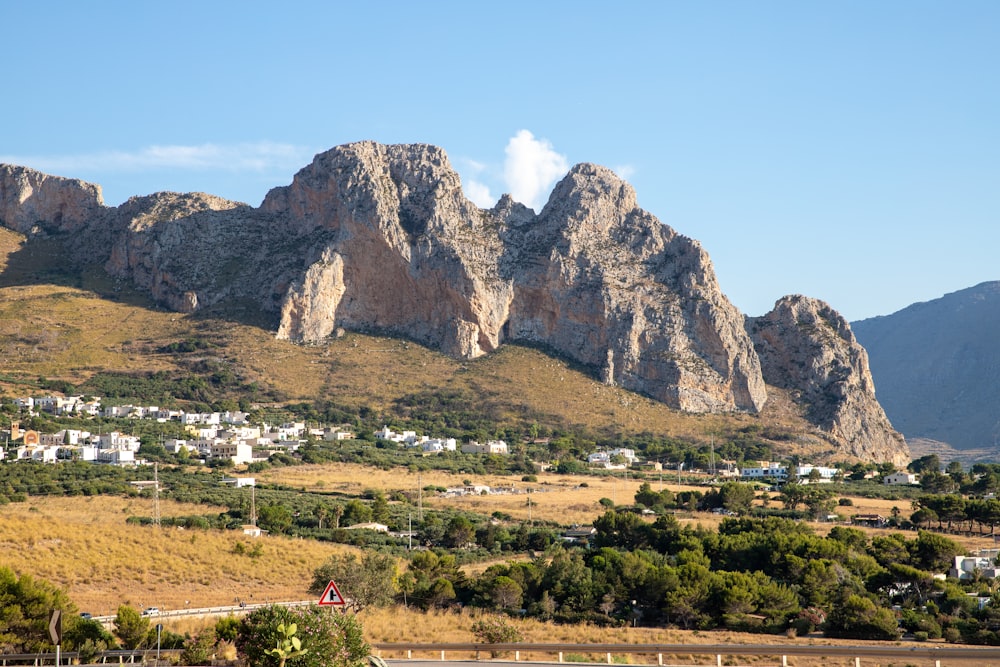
<point>338,434</point>
<point>116,457</point>
<point>239,482</point>
<point>491,447</point>
<point>765,470</point>
<point>605,458</point>
<point>825,474</point>
<point>983,561</point>
<point>437,445</point>
<point>240,453</point>
<point>900,479</point>
<point>116,440</point>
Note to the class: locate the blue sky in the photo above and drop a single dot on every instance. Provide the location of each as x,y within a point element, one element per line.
<point>847,150</point>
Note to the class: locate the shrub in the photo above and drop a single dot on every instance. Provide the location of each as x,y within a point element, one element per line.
<point>199,650</point>
<point>920,636</point>
<point>330,639</point>
<point>496,629</point>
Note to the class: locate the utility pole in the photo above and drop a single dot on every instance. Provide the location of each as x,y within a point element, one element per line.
<point>420,500</point>
<point>156,494</point>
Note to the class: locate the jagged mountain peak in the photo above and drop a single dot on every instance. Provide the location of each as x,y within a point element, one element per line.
<point>381,238</point>
<point>806,346</point>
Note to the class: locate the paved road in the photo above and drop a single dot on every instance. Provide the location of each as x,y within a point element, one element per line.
<point>210,611</point>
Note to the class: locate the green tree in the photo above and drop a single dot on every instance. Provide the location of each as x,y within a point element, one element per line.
<point>275,518</point>
<point>369,581</point>
<point>925,464</point>
<point>934,553</point>
<point>737,496</point>
<point>858,617</point>
<point>792,495</point>
<point>356,512</point>
<point>460,532</point>
<point>380,508</point>
<point>131,627</point>
<point>88,638</point>
<point>506,593</point>
<point>25,605</point>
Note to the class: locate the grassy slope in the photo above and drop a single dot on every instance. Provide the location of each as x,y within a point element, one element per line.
<point>84,546</point>
<point>53,324</point>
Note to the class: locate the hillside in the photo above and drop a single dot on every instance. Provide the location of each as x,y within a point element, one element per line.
<point>71,326</point>
<point>373,238</point>
<point>936,365</point>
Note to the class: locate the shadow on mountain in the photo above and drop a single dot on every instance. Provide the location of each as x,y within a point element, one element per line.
<point>46,261</point>
<point>40,261</point>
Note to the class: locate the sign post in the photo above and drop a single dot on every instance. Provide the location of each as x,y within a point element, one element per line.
<point>55,630</point>
<point>331,596</point>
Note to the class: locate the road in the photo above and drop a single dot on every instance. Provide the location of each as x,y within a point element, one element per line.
<point>209,611</point>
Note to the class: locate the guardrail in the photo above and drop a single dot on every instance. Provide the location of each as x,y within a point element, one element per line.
<point>212,611</point>
<point>137,657</point>
<point>931,654</point>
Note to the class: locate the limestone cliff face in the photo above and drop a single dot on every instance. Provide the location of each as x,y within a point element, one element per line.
<point>381,238</point>
<point>806,346</point>
<point>593,276</point>
<point>408,253</point>
<point>33,202</point>
<point>598,278</point>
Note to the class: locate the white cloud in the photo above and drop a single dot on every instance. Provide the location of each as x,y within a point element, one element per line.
<point>624,171</point>
<point>479,194</point>
<point>531,168</point>
<point>260,156</point>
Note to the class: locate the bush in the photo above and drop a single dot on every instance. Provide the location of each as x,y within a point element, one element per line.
<point>200,649</point>
<point>496,630</point>
<point>330,640</point>
<point>920,636</point>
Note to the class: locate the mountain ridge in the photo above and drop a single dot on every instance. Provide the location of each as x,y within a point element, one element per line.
<point>370,237</point>
<point>935,364</point>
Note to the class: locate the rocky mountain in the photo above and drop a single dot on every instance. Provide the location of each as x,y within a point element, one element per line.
<point>381,238</point>
<point>936,366</point>
<point>808,348</point>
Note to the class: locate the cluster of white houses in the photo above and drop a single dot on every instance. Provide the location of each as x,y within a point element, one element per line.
<point>229,435</point>
<point>213,435</point>
<point>430,445</point>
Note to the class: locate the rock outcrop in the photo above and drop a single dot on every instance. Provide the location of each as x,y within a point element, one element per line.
<point>32,202</point>
<point>592,276</point>
<point>805,346</point>
<point>381,238</point>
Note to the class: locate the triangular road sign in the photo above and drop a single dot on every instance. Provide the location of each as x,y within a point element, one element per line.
<point>332,596</point>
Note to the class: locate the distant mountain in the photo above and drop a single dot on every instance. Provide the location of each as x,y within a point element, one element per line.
<point>376,238</point>
<point>936,367</point>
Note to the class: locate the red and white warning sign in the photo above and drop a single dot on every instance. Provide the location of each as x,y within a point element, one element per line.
<point>332,596</point>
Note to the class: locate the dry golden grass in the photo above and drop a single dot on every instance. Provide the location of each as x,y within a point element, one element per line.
<point>386,626</point>
<point>60,328</point>
<point>554,497</point>
<point>84,546</point>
